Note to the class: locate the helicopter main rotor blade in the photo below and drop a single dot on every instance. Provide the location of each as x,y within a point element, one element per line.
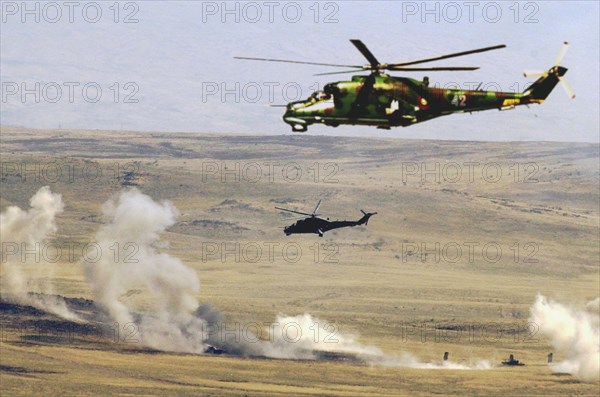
<point>363,95</point>
<point>344,72</point>
<point>456,54</point>
<point>314,213</point>
<point>295,212</point>
<point>294,218</point>
<point>366,53</point>
<point>300,62</point>
<point>434,69</point>
<point>408,69</point>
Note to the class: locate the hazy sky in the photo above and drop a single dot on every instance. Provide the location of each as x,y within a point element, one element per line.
<point>168,66</point>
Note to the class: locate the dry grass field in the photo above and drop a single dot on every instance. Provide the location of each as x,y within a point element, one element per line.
<point>466,236</point>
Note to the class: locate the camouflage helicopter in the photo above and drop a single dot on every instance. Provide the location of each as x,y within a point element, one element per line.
<point>386,101</point>
<point>316,225</point>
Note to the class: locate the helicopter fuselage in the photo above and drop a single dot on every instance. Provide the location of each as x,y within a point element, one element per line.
<point>308,225</point>
<point>395,101</point>
<point>319,226</point>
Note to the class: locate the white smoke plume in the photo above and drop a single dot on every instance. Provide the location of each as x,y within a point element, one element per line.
<point>133,226</point>
<point>306,337</point>
<point>574,333</point>
<point>303,337</point>
<point>22,233</point>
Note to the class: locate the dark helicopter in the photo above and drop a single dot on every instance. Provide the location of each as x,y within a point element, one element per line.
<point>314,224</point>
<point>385,101</point>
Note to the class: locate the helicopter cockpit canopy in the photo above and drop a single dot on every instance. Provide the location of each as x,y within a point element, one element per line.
<point>321,96</point>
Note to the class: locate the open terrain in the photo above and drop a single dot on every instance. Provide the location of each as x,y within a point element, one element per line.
<point>466,236</point>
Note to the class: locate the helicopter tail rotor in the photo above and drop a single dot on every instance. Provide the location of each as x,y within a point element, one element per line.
<point>547,80</point>
<point>365,219</point>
